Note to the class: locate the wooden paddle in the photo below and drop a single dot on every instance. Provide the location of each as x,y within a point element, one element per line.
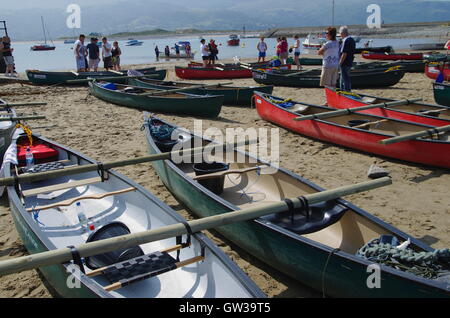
<point>424,133</point>
<point>224,173</point>
<point>176,90</point>
<point>347,111</point>
<point>39,176</point>
<point>63,255</point>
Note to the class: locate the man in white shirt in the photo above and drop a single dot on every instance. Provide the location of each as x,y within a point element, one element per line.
<point>205,52</point>
<point>262,49</point>
<point>106,54</point>
<point>80,54</point>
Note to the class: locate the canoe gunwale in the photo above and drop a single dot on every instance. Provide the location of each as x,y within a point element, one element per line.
<point>298,238</point>
<point>245,281</point>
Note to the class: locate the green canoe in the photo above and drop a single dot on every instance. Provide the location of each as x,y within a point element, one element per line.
<point>53,78</point>
<point>442,93</point>
<point>175,103</point>
<point>240,96</point>
<point>316,247</point>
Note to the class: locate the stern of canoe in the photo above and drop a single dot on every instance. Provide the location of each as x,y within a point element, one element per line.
<point>442,94</point>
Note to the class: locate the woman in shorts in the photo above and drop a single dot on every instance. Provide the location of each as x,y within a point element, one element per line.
<point>116,52</point>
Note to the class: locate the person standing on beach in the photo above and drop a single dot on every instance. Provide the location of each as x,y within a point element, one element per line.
<point>157,53</point>
<point>187,49</point>
<point>7,56</point>
<point>177,50</point>
<point>347,57</point>
<point>106,54</point>
<point>167,51</point>
<point>278,48</point>
<point>262,49</point>
<point>116,52</point>
<point>284,50</point>
<point>80,54</point>
<point>213,51</point>
<point>205,52</point>
<point>94,54</point>
<point>296,48</point>
<point>330,66</point>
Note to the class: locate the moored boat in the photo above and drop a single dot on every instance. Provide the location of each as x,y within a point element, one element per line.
<point>428,114</point>
<point>428,46</point>
<point>442,93</point>
<point>311,78</point>
<point>53,78</point>
<point>392,56</point>
<point>233,95</point>
<point>233,40</point>
<point>186,266</point>
<point>212,73</point>
<point>316,246</point>
<point>157,100</point>
<point>358,131</point>
<point>375,49</point>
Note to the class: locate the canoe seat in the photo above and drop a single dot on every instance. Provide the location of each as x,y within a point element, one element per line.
<point>321,216</point>
<point>368,100</point>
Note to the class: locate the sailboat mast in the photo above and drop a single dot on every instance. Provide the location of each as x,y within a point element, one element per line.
<point>332,15</point>
<point>43,30</point>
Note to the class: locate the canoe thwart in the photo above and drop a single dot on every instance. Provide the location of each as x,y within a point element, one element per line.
<point>429,132</point>
<point>71,201</point>
<point>61,186</point>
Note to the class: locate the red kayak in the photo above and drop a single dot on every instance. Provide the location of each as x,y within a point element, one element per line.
<point>428,114</point>
<point>212,73</point>
<point>392,56</point>
<point>362,132</point>
<point>432,71</point>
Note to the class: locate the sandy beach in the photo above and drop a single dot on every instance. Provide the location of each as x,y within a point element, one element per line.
<point>418,203</point>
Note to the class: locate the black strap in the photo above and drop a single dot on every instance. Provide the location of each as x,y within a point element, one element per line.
<point>101,170</point>
<point>291,209</point>
<point>188,239</point>
<point>77,258</point>
<point>305,206</point>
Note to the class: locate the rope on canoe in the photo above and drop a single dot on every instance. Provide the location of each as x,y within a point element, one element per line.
<point>27,130</point>
<point>430,265</point>
<point>339,92</point>
<point>393,68</point>
<point>161,132</point>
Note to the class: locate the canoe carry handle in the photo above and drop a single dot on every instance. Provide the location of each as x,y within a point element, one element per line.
<point>356,109</point>
<point>39,176</point>
<point>429,132</point>
<point>63,255</point>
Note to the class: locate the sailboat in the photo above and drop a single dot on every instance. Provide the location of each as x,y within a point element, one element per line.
<point>44,46</point>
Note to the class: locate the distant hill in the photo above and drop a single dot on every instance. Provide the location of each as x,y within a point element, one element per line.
<point>119,16</point>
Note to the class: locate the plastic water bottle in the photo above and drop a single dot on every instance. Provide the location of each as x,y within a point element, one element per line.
<point>82,217</point>
<point>29,159</point>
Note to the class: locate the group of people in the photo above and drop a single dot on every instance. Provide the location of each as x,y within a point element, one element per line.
<point>209,52</point>
<point>87,57</point>
<point>6,51</point>
<point>337,57</point>
<point>186,47</point>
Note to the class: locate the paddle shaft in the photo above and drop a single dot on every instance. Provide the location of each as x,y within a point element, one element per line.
<point>22,104</point>
<point>38,176</point>
<point>63,255</point>
<point>176,90</point>
<point>21,118</point>
<point>424,133</point>
<point>356,109</point>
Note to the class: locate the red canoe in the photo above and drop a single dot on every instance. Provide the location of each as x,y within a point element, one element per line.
<point>433,70</point>
<point>337,130</point>
<point>392,56</point>
<point>212,73</point>
<point>428,114</point>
